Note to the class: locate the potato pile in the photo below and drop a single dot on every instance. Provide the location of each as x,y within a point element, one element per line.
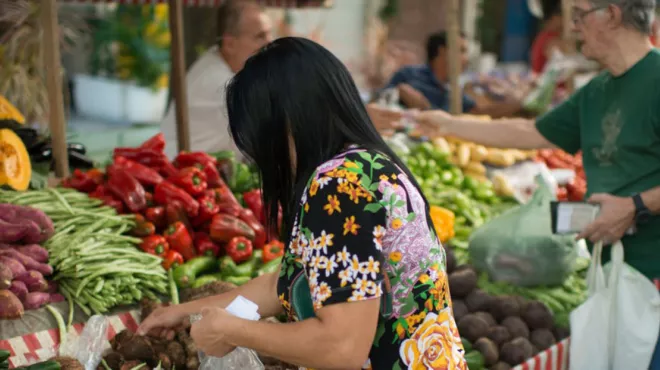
<point>506,330</point>
<point>130,350</point>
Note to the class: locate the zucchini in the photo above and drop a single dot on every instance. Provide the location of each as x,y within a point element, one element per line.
<point>185,275</point>
<point>46,365</point>
<point>203,280</point>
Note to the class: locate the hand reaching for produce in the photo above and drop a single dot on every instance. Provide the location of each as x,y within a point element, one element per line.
<point>616,216</point>
<point>432,123</point>
<point>384,118</point>
<point>210,333</point>
<point>162,322</point>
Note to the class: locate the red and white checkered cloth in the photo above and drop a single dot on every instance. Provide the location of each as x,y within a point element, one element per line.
<point>41,346</point>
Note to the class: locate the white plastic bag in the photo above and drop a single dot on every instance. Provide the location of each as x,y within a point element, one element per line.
<point>617,327</point>
<point>88,348</point>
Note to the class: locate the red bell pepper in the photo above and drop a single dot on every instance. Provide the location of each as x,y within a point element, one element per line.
<point>156,142</point>
<point>273,250</point>
<point>157,216</point>
<point>155,244</point>
<point>145,175</point>
<point>562,193</point>
<point>248,217</point>
<point>166,192</point>
<point>180,240</point>
<point>172,259</point>
<point>148,157</point>
<point>205,246</point>
<point>144,229</point>
<point>167,169</point>
<point>128,189</point>
<point>174,212</point>
<point>239,249</point>
<point>150,198</point>
<point>192,159</point>
<point>81,181</point>
<point>254,202</point>
<point>225,227</point>
<point>213,178</point>
<point>100,191</point>
<point>110,201</point>
<point>190,179</point>
<point>207,209</point>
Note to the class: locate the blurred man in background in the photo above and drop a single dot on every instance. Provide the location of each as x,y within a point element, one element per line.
<point>243,28</point>
<point>550,36</point>
<point>426,86</point>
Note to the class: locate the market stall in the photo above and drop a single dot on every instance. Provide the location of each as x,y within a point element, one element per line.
<point>53,66</point>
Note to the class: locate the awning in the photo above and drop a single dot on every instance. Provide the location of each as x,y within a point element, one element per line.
<point>216,3</point>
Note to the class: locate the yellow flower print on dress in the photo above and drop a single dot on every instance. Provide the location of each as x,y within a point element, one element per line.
<point>350,226</point>
<point>397,223</point>
<point>395,257</point>
<point>433,345</point>
<point>350,164</point>
<point>333,205</point>
<point>351,176</point>
<point>313,188</point>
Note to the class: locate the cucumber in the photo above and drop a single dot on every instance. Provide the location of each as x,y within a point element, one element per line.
<point>4,355</point>
<point>185,275</point>
<point>237,280</point>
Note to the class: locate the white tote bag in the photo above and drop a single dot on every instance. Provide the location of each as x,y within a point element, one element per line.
<point>590,322</point>
<point>618,326</point>
<point>637,321</point>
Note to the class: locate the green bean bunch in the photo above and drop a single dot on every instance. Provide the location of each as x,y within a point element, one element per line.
<point>96,266</point>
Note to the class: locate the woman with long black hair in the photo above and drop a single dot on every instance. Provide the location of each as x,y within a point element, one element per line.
<point>363,280</point>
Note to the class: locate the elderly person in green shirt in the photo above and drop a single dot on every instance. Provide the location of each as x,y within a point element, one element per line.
<point>614,120</point>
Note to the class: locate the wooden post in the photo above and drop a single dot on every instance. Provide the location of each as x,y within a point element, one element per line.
<point>52,63</point>
<point>178,75</point>
<point>454,56</point>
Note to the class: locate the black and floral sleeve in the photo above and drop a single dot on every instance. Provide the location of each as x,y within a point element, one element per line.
<point>340,243</point>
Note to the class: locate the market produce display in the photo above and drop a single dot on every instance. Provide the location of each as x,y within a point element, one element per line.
<point>505,325</point>
<point>445,185</point>
<point>557,159</point>
<point>87,236</point>
<point>23,262</point>
<point>4,359</point>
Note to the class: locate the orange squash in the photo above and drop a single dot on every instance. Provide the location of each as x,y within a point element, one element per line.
<point>9,112</point>
<point>15,166</point>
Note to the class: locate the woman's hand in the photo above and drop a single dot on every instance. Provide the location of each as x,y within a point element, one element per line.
<point>384,118</point>
<point>211,333</point>
<point>162,321</point>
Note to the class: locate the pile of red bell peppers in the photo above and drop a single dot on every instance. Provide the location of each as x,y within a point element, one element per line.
<point>554,159</point>
<point>183,208</point>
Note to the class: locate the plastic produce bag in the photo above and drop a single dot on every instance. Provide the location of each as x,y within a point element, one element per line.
<point>240,358</point>
<point>617,327</point>
<point>88,348</point>
<point>518,247</point>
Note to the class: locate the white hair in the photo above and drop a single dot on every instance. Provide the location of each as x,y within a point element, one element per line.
<point>637,14</point>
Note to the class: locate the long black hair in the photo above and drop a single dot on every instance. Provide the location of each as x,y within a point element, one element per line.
<point>295,89</point>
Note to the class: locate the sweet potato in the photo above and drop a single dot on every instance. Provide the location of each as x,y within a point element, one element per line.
<point>37,252</point>
<point>12,233</point>
<point>10,306</point>
<point>10,213</point>
<point>19,289</point>
<point>16,268</point>
<point>34,281</point>
<point>56,298</point>
<point>28,262</point>
<point>35,300</point>
<point>53,287</point>
<point>6,276</point>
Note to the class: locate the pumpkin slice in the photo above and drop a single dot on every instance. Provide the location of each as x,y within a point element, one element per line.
<point>15,166</point>
<point>9,112</point>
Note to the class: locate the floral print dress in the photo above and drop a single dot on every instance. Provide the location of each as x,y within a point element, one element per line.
<point>363,233</point>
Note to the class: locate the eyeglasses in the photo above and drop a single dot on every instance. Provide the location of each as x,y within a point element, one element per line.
<point>579,14</point>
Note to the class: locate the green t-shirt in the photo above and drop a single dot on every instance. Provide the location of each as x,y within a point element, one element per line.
<point>615,121</point>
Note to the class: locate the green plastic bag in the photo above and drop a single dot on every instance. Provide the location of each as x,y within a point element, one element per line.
<point>518,247</point>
